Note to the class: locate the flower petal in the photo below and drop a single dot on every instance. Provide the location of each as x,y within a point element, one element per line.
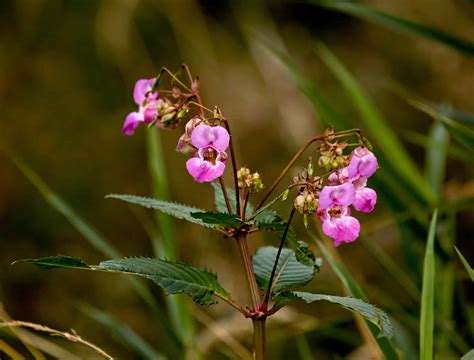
<point>336,195</point>
<point>365,200</point>
<point>131,123</point>
<point>205,135</point>
<point>221,138</point>
<point>142,87</point>
<point>197,168</point>
<point>348,229</point>
<point>214,172</point>
<point>363,163</point>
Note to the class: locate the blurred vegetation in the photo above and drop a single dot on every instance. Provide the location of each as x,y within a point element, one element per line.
<point>281,70</point>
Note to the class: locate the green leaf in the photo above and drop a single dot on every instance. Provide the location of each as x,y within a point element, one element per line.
<point>220,200</point>
<point>353,288</point>
<point>289,272</point>
<point>435,162</point>
<point>59,261</point>
<point>397,23</point>
<point>172,277</point>
<point>219,219</point>
<point>271,221</point>
<point>266,207</point>
<point>427,295</point>
<point>463,134</point>
<point>177,210</point>
<point>469,355</point>
<point>385,138</point>
<point>468,267</point>
<point>123,333</point>
<point>367,311</point>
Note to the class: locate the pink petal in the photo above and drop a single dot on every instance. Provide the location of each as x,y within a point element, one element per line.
<point>131,123</point>
<point>204,171</point>
<point>363,163</point>
<point>214,172</point>
<point>336,195</point>
<point>343,230</point>
<point>150,114</point>
<point>205,135</point>
<point>365,200</point>
<point>142,87</point>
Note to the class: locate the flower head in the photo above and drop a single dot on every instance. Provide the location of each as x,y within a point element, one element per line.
<point>365,198</point>
<point>209,161</point>
<point>339,225</point>
<point>337,195</point>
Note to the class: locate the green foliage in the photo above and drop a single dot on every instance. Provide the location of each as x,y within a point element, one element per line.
<point>468,267</point>
<point>289,271</point>
<point>427,295</point>
<point>219,219</point>
<point>397,23</point>
<point>172,277</point>
<point>174,209</point>
<point>220,200</point>
<point>271,221</point>
<point>367,311</point>
<point>469,355</point>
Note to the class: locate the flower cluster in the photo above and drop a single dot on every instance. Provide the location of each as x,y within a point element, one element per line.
<point>346,187</point>
<point>251,182</point>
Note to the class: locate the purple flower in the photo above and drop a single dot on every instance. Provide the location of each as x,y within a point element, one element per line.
<point>365,198</point>
<point>147,102</point>
<point>337,195</point>
<point>339,225</point>
<point>363,163</point>
<point>209,161</point>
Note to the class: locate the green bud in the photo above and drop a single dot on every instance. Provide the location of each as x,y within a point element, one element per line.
<point>285,194</point>
<point>305,220</point>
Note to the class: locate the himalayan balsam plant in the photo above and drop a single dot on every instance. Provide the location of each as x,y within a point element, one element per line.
<point>329,191</point>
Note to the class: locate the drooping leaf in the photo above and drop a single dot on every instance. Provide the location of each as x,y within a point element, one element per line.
<point>289,272</point>
<point>366,310</point>
<point>468,267</point>
<point>172,277</point>
<point>354,289</point>
<point>427,295</point>
<point>271,221</point>
<point>469,355</point>
<point>218,219</point>
<point>396,23</point>
<point>126,335</point>
<point>220,200</point>
<point>177,210</point>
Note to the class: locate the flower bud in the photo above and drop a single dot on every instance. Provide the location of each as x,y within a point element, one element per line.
<point>324,161</point>
<point>285,194</point>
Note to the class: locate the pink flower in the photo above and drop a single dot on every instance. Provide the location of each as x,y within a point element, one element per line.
<point>337,195</point>
<point>363,163</point>
<point>365,198</point>
<point>209,161</point>
<point>147,102</point>
<point>184,143</point>
<point>339,225</point>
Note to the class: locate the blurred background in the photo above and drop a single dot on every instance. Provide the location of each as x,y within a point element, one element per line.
<point>281,71</point>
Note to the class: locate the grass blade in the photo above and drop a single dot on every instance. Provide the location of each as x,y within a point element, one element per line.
<point>123,333</point>
<point>427,295</point>
<point>436,158</point>
<point>397,24</point>
<point>468,267</point>
<point>178,307</point>
<point>385,138</point>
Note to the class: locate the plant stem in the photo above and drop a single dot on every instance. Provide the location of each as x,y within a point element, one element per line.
<point>224,193</point>
<point>260,338</point>
<point>245,255</point>
<point>282,241</point>
<point>234,167</point>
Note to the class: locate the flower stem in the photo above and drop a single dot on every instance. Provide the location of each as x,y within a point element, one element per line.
<point>234,167</point>
<point>245,255</point>
<point>224,193</point>
<point>282,241</point>
<point>260,338</point>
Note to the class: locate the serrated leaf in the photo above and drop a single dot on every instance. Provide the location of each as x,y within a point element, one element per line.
<point>271,221</point>
<point>55,262</point>
<point>172,277</point>
<point>219,219</point>
<point>289,272</point>
<point>171,208</point>
<point>220,200</point>
<point>366,310</point>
